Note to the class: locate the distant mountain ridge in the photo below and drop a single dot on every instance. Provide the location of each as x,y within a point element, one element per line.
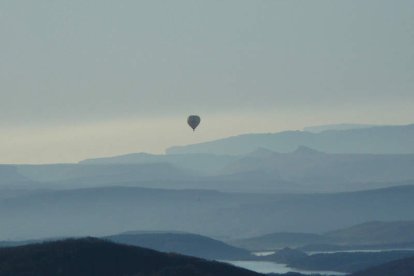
<point>302,170</point>
<point>10,177</point>
<point>205,163</point>
<point>286,162</point>
<point>58,176</point>
<point>103,211</point>
<point>278,240</point>
<point>327,171</point>
<point>374,140</point>
<point>374,233</point>
<point>321,128</point>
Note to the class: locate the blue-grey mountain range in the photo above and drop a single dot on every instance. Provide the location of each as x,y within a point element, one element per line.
<point>374,140</point>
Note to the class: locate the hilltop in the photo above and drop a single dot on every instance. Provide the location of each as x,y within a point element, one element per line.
<point>93,257</point>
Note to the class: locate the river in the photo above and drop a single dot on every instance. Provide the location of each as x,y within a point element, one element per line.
<point>271,267</point>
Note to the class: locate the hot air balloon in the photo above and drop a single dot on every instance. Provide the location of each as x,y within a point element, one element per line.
<point>193,121</point>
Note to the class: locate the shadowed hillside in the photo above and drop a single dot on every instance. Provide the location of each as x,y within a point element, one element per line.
<point>370,235</point>
<point>278,240</point>
<point>90,257</point>
<point>404,267</point>
<point>183,243</point>
<point>344,262</point>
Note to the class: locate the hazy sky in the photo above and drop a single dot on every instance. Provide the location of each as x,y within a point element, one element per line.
<point>90,78</point>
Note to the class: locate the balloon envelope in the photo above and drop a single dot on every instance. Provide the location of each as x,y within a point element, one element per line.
<point>193,121</point>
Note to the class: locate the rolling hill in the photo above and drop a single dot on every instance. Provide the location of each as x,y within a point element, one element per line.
<point>183,243</point>
<point>402,267</point>
<point>343,261</point>
<point>279,240</point>
<point>91,257</point>
<point>374,235</point>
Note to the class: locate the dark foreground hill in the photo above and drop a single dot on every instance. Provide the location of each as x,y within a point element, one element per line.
<point>183,243</point>
<point>404,267</point>
<point>345,262</point>
<point>90,256</point>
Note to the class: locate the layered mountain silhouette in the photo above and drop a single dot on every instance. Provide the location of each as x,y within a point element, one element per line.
<point>279,162</point>
<point>321,128</point>
<point>299,186</point>
<point>324,171</point>
<point>102,173</point>
<point>202,163</point>
<point>373,140</point>
<point>104,211</point>
<point>375,233</point>
<point>279,240</point>
<point>303,170</point>
<point>370,235</point>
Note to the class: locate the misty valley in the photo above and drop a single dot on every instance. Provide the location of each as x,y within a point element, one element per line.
<point>207,138</point>
<point>304,209</point>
